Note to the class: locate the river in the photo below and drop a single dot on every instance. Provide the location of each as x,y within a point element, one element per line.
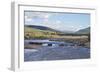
<point>56,53</point>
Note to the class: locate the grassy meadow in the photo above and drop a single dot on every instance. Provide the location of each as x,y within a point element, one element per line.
<point>33,33</point>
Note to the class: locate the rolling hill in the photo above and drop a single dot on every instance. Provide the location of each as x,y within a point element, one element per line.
<point>83,31</point>
<point>39,32</point>
<point>41,28</point>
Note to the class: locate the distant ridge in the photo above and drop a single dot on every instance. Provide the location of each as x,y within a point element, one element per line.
<point>44,28</point>
<point>41,27</point>
<point>83,31</point>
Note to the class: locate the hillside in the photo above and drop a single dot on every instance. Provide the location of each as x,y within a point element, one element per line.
<point>41,28</point>
<point>42,32</point>
<point>84,31</point>
<point>38,32</point>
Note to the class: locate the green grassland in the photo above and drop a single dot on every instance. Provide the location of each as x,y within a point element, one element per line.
<point>33,33</point>
<point>30,33</point>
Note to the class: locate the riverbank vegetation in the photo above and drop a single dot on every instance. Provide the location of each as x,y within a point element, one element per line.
<point>79,39</point>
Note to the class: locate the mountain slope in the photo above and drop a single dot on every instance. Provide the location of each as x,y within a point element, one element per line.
<point>38,32</point>
<point>84,31</point>
<point>41,27</point>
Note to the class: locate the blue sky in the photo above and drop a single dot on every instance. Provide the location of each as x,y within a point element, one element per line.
<point>59,21</point>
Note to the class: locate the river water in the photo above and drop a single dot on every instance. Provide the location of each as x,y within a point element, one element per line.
<point>56,53</point>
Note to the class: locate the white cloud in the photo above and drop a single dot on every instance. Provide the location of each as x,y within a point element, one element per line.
<point>58,22</point>
<point>37,15</point>
<point>31,16</point>
<point>27,19</point>
<point>58,25</point>
<point>46,16</point>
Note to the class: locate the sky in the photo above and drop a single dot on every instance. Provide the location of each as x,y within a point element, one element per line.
<point>59,21</point>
